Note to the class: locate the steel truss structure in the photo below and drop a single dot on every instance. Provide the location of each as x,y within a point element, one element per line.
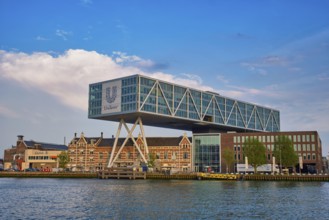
<point>114,155</point>
<point>208,107</point>
<point>168,105</point>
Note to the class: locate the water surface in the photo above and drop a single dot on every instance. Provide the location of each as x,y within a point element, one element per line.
<point>29,198</point>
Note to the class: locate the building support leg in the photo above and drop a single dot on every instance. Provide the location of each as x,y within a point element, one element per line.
<point>129,135</point>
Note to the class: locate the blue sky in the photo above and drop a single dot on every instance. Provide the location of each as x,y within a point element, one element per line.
<point>273,53</point>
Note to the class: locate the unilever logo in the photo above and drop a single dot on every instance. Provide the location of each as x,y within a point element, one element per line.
<point>111,95</point>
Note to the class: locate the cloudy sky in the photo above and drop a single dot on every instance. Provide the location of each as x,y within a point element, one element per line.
<point>273,53</point>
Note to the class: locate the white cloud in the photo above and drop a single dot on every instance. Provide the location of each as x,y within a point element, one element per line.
<point>63,34</point>
<point>222,79</point>
<point>10,113</point>
<point>323,76</point>
<point>40,38</point>
<point>67,76</point>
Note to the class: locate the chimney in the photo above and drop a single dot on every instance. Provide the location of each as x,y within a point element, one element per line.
<point>20,137</point>
<point>101,134</point>
<point>75,135</point>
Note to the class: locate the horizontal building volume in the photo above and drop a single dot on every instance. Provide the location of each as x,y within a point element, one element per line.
<point>164,104</point>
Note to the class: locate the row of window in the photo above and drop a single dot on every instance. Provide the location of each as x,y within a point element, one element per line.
<point>297,147</point>
<point>41,158</point>
<point>173,155</point>
<point>305,156</point>
<point>129,155</point>
<point>271,138</point>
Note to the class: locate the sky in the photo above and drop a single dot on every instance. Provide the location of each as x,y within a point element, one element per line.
<point>271,53</point>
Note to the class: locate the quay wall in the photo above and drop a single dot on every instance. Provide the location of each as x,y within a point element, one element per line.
<point>47,175</point>
<point>191,176</point>
<point>300,178</point>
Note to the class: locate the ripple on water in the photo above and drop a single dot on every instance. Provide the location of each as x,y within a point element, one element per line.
<point>156,199</point>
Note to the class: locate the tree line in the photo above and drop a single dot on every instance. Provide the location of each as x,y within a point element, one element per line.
<point>255,151</point>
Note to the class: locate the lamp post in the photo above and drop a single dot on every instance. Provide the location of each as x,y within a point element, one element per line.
<point>300,165</point>
<point>280,160</point>
<point>246,165</point>
<point>273,166</point>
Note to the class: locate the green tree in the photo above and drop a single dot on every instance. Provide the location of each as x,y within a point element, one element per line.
<point>255,151</point>
<point>151,160</point>
<point>228,156</point>
<point>284,152</point>
<point>63,159</point>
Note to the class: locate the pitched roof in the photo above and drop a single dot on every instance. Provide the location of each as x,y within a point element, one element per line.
<point>151,141</point>
<point>46,146</point>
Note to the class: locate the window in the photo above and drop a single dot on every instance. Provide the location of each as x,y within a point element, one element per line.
<point>313,138</point>
<point>298,138</point>
<point>165,155</point>
<point>303,138</point>
<point>100,155</point>
<point>173,157</point>
<point>157,155</point>
<point>313,156</point>
<point>308,138</point>
<point>185,155</point>
<point>313,147</point>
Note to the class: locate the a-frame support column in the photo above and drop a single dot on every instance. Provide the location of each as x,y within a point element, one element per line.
<point>115,155</point>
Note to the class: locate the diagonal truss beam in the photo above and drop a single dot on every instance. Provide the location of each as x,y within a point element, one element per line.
<point>113,158</point>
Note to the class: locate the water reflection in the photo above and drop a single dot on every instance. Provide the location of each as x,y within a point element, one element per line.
<point>168,199</point>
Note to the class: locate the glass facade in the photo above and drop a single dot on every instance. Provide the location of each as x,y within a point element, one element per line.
<point>144,94</point>
<point>206,151</point>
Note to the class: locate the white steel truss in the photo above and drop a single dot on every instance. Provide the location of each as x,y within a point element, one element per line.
<point>114,155</point>
<point>255,118</point>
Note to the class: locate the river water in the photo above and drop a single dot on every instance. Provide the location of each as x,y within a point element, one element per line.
<point>29,198</point>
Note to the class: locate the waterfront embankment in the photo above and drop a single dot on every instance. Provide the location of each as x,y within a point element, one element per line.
<point>161,176</point>
<point>47,175</point>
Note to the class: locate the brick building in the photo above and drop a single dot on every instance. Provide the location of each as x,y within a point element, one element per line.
<point>93,153</point>
<point>32,154</point>
<point>307,144</point>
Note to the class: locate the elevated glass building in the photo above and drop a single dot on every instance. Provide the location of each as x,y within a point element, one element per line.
<point>142,100</point>
<point>168,105</point>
